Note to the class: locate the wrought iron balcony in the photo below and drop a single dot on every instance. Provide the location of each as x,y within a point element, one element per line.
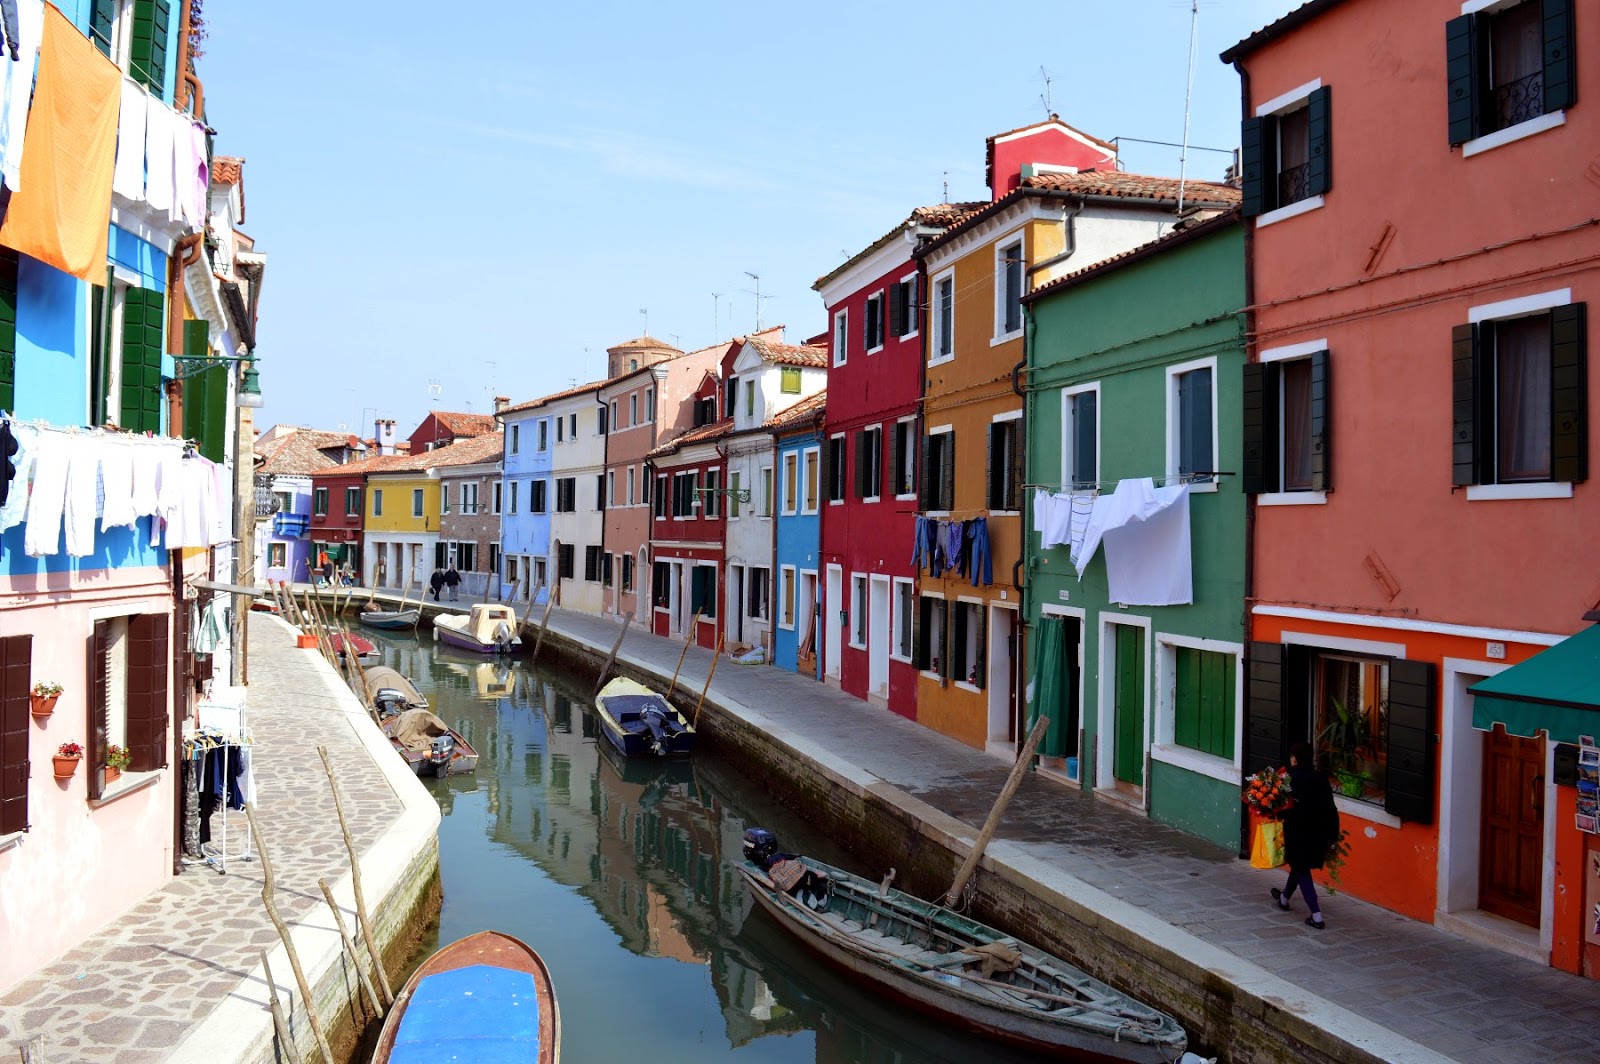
<point>1517,101</point>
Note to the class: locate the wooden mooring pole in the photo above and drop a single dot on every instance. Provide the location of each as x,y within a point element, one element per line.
<point>350,948</point>
<point>544,625</point>
<point>280,1022</point>
<point>694,626</point>
<point>716,656</point>
<point>627,619</point>
<point>1013,781</point>
<point>363,920</point>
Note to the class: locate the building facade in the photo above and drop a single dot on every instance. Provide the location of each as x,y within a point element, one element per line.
<point>686,542</point>
<point>798,552</point>
<point>521,500</point>
<point>581,490</point>
<point>469,529</point>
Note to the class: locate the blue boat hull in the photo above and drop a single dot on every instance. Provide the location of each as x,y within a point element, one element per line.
<point>632,736</point>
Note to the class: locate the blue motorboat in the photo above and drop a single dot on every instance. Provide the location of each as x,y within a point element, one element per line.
<point>641,723</point>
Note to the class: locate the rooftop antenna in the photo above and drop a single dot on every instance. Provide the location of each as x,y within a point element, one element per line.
<point>646,315</point>
<point>435,389</point>
<point>1183,155</point>
<point>716,316</point>
<point>1044,97</point>
<point>946,198</point>
<point>756,277</point>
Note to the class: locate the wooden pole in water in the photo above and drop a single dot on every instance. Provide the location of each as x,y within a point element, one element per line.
<point>627,619</point>
<point>363,920</point>
<point>1013,781</point>
<point>527,614</point>
<point>694,626</point>
<point>267,885</point>
<point>280,1022</point>
<point>544,626</point>
<point>350,947</point>
<point>716,656</point>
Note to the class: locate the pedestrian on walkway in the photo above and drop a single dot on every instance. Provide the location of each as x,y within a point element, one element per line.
<point>452,580</point>
<point>435,582</point>
<point>1310,828</point>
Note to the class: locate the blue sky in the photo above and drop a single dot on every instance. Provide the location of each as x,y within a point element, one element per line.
<point>458,208</point>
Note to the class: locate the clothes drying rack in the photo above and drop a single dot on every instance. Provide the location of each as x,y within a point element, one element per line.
<point>223,723</point>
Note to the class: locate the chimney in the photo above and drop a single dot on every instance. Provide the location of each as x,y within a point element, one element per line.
<point>501,402</point>
<point>383,436</point>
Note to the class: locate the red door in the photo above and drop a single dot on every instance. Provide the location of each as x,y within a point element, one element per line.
<point>1511,857</point>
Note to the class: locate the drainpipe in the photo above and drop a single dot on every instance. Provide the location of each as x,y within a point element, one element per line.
<point>1249,500</point>
<point>1069,242</point>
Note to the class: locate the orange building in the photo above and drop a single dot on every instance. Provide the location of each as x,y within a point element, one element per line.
<point>1058,205</point>
<point>1416,447</point>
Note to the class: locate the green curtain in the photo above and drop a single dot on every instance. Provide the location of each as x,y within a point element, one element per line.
<point>1050,689</point>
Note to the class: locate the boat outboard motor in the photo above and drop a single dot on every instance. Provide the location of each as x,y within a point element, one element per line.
<point>442,753</point>
<point>759,846</point>
<point>655,724</point>
<point>502,637</point>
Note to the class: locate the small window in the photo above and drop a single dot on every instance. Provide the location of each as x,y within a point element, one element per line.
<point>1350,698</point>
<point>566,554</point>
<point>734,478</point>
<point>789,380</point>
<point>662,497</point>
<point>766,491</point>
<point>933,620</point>
<point>650,404</point>
<point>1509,66</point>
<point>561,423</point>
<point>516,438</point>
<point>319,501</point>
<point>938,471</point>
<point>499,491</point>
<point>858,612</point>
<point>967,639</point>
<point>444,498</point>
<point>872,324</point>
<point>1191,453</point>
<point>544,435</point>
<point>277,555</point>
<point>572,425</point>
<point>1080,436</point>
<point>944,311</point>
<point>630,486</point>
<point>611,487</point>
<point>786,597</point>
<point>869,463</point>
<point>377,502</point>
<point>810,475</point>
<point>903,309</point>
<point>750,399</point>
<point>904,467</point>
<point>791,482</point>
<point>352,501</point>
<point>538,496</point>
<point>512,507</point>
<point>904,619</point>
<point>627,572</point>
<point>841,337</point>
<point>760,592</point>
<point>661,584</point>
<point>1005,465</point>
<point>592,565</point>
<point>633,409</point>
<point>711,497</point>
<point>602,420</point>
<point>416,502</point>
<point>1009,265</point>
<point>836,469</point>
<point>1287,155</point>
<point>1286,449</point>
<point>567,495</point>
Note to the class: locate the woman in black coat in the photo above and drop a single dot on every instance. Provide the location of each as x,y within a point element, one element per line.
<point>1310,827</point>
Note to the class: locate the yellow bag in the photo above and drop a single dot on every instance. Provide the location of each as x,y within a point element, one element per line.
<point>1267,849</point>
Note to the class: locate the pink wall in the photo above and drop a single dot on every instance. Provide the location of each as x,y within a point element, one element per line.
<point>78,868</point>
<point>1523,565</point>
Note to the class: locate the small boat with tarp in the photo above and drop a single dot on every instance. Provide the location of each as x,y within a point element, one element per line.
<point>428,745</point>
<point>391,691</point>
<point>641,723</point>
<point>488,628</point>
<point>488,997</point>
<point>949,966</point>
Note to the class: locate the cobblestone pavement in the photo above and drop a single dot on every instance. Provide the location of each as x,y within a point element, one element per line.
<point>131,992</point>
<point>1460,999</point>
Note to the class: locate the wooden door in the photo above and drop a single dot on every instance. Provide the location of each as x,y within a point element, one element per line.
<point>1511,854</point>
<point>1127,757</point>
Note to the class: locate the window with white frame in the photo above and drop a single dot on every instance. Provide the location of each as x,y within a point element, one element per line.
<point>544,434</point>
<point>516,439</point>
<point>352,501</point>
<point>786,597</point>
<point>561,425</point>
<point>967,643</point>
<point>766,491</point>
<point>444,497</point>
<point>377,502</point>
<point>499,491</point>
<point>538,496</point>
<point>735,479</point>
<point>903,462</point>
<point>836,466</point>
<point>759,597</point>
<point>1203,701</point>
<point>416,502</point>
<point>511,501</point>
<point>1191,421</point>
<point>872,324</point>
<point>650,404</point>
<point>810,479</point>
<point>1509,64</point>
<point>711,505</point>
<point>939,470</point>
<point>630,486</point>
<point>277,555</point>
<point>904,313</point>
<point>1009,266</point>
<point>943,315</point>
<point>1285,153</point>
<point>1005,464</point>
<point>1286,448</point>
<point>841,336</point>
<point>791,482</point>
<point>469,497</point>
<point>905,612</point>
<point>858,611</point>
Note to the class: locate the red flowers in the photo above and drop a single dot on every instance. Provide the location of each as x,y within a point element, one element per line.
<point>1267,792</point>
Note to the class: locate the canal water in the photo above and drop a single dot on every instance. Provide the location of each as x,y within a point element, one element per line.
<point>621,874</point>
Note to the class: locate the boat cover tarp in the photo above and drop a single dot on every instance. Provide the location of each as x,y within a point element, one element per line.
<point>625,708</point>
<point>480,1013</point>
<point>417,728</point>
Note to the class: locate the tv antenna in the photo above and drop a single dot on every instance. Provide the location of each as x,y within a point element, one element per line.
<point>946,198</point>
<point>756,277</point>
<point>1044,97</point>
<point>646,315</point>
<point>435,389</point>
<point>716,316</point>
<point>1188,93</point>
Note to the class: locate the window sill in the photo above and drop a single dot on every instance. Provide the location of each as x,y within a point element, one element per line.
<point>1005,338</point>
<point>1292,498</point>
<point>874,350</point>
<point>1499,492</point>
<point>1512,134</point>
<point>12,840</point>
<point>856,646</point>
<point>786,627</point>
<point>126,785</point>
<point>872,498</point>
<point>1194,761</point>
<point>1205,487</point>
<point>965,686</point>
<point>1365,811</point>
<point>1299,207</point>
<point>942,359</point>
<point>901,660</point>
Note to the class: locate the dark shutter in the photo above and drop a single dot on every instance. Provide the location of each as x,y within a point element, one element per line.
<point>16,668</point>
<point>148,707</point>
<point>947,472</point>
<point>1463,77</point>
<point>1260,472</point>
<point>958,650</point>
<point>1560,70</point>
<point>861,464</point>
<point>8,329</point>
<point>1409,737</point>
<point>143,311</point>
<point>990,467</point>
<point>102,13</point>
<point>978,666</point>
<point>600,492</point>
<point>825,474</point>
<point>921,625</point>
<point>925,500</point>
<point>1266,731</point>
<point>1252,166</point>
<point>897,309</point>
<point>1466,438</point>
<point>1016,457</point>
<point>1569,376</point>
<point>944,623</point>
<point>897,465</point>
<point>1319,131</point>
<point>148,50</point>
<point>1321,423</point>
<point>97,725</point>
<point>604,425</point>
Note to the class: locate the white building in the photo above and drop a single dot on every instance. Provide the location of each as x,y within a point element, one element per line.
<point>580,490</point>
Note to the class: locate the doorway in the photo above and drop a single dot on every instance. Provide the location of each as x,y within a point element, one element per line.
<point>1001,652</point>
<point>878,637</point>
<point>736,602</point>
<point>1124,693</point>
<point>832,610</point>
<point>806,623</point>
<point>1511,847</point>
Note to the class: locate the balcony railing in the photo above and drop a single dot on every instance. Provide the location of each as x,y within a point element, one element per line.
<point>1294,184</point>
<point>1517,101</point>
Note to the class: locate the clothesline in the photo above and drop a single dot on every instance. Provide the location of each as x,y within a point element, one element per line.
<point>1198,477</point>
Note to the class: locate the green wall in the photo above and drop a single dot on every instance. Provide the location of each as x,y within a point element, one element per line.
<point>1122,328</point>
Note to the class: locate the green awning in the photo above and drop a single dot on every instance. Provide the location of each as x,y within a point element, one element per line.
<point>1557,691</point>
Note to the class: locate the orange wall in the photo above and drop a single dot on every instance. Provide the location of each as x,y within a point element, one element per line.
<point>1527,565</point>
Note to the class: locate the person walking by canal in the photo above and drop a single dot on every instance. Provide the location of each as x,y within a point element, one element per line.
<point>435,582</point>
<point>452,580</point>
<point>1310,828</point>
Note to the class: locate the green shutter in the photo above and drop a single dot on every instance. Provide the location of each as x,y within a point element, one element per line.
<point>1560,69</point>
<point>1271,696</point>
<point>1203,699</point>
<point>102,13</point>
<point>1321,423</point>
<point>1409,730</point>
<point>142,312</point>
<point>205,395</point>
<point>1260,472</point>
<point>1466,452</point>
<point>1319,134</point>
<point>1252,166</point>
<point>1463,78</point>
<point>148,52</point>
<point>8,329</point>
<point>1569,379</point>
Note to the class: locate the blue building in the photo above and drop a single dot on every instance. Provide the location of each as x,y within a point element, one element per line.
<point>798,431</point>
<point>523,500</point>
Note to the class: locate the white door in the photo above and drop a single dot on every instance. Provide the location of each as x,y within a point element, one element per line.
<point>735,612</point>
<point>832,609</point>
<point>878,636</point>
<point>1002,629</point>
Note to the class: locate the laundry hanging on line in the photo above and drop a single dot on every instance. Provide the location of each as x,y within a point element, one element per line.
<point>963,546</point>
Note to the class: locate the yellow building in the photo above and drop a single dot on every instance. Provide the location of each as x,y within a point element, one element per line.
<point>402,522</point>
<point>1052,216</point>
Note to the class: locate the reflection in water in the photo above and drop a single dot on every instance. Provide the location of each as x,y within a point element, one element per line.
<point>619,871</point>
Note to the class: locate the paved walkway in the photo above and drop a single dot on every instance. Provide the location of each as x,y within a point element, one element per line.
<point>1461,1000</point>
<point>136,989</point>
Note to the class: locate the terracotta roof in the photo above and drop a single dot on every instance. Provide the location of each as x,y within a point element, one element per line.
<point>466,424</point>
<point>1273,30</point>
<point>294,455</point>
<point>1107,184</point>
<point>789,354</point>
<point>473,451</point>
<point>644,343</point>
<point>809,407</point>
<point>942,215</point>
<point>1179,235</point>
<point>226,169</point>
<point>592,386</point>
<point>713,431</point>
<point>382,463</point>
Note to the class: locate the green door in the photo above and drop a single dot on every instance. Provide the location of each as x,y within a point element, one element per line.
<point>1127,756</point>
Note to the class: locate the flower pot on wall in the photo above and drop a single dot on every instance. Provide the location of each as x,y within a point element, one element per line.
<point>113,773</point>
<point>65,766</point>
<point>42,705</point>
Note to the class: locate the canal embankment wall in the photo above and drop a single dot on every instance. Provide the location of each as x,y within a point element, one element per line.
<point>1232,1008</point>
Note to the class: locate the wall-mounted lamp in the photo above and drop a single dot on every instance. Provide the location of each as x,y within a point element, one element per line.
<point>249,392</point>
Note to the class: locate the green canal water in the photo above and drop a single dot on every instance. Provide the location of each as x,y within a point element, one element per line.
<point>621,874</point>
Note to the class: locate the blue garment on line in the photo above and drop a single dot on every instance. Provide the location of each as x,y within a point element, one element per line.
<point>952,547</point>
<point>982,559</point>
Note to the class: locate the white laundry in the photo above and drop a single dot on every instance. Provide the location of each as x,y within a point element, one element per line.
<point>27,437</point>
<point>146,475</point>
<point>198,176</point>
<point>127,179</point>
<point>1134,500</point>
<point>83,477</point>
<point>160,125</point>
<point>1052,515</point>
<point>1082,509</point>
<point>1148,561</point>
<point>48,499</point>
<point>116,476</point>
<point>221,518</point>
<point>16,90</point>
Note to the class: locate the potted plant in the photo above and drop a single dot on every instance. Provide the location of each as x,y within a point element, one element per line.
<point>43,698</point>
<point>1346,737</point>
<point>66,760</point>
<point>117,759</point>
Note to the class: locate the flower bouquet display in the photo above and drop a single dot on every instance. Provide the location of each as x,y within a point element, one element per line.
<point>1267,794</point>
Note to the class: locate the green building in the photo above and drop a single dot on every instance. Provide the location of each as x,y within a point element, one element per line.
<point>1136,369</point>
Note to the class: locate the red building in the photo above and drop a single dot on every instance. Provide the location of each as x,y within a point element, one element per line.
<point>688,505</point>
<point>869,458</point>
<point>442,428</point>
<point>337,495</point>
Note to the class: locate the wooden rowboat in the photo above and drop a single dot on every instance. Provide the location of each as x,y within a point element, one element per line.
<point>917,953</point>
<point>391,619</point>
<point>486,997</point>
